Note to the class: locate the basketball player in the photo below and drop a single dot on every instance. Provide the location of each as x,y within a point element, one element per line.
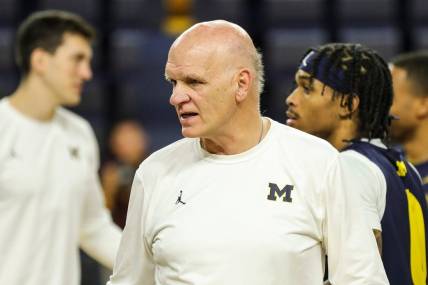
<point>50,197</point>
<point>343,94</point>
<point>410,106</point>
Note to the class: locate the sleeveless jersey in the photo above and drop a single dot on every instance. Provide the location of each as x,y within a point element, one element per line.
<point>404,228</point>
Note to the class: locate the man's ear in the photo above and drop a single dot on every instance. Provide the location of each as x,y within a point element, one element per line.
<point>422,107</point>
<point>244,82</point>
<point>38,60</point>
<point>344,111</point>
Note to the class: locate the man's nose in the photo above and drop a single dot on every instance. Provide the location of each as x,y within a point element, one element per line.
<point>291,99</point>
<point>179,95</point>
<point>86,71</point>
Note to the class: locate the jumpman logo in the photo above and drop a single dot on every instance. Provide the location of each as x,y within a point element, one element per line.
<point>179,199</point>
<point>74,152</point>
<point>13,153</point>
<point>305,60</point>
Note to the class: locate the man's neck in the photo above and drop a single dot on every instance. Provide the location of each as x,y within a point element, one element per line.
<point>416,148</point>
<point>32,99</point>
<point>347,130</point>
<point>241,140</point>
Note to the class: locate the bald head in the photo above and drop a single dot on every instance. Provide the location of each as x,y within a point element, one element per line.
<point>223,41</point>
<point>217,33</point>
<point>214,70</point>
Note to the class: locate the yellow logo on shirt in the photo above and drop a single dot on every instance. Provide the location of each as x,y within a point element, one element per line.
<point>425,179</point>
<point>401,168</point>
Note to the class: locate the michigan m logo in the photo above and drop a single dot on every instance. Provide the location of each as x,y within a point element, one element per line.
<point>275,192</point>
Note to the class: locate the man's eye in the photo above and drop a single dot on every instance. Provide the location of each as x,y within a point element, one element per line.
<point>292,87</point>
<point>194,82</point>
<point>307,89</point>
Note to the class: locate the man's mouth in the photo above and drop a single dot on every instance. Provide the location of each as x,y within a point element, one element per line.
<point>187,115</point>
<point>78,87</point>
<point>292,117</point>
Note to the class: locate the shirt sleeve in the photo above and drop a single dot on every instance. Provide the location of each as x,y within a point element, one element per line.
<point>134,263</point>
<point>99,236</point>
<point>359,170</point>
<point>353,257</point>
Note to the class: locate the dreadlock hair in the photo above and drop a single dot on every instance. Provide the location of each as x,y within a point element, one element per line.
<point>369,79</point>
<point>416,66</point>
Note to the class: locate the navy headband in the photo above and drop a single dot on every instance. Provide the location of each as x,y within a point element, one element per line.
<point>333,77</point>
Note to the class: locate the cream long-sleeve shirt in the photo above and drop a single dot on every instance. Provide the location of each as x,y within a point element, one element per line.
<point>50,199</point>
<point>263,217</point>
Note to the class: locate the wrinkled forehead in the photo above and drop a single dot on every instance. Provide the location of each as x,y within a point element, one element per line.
<point>191,50</point>
<point>198,57</point>
<point>210,46</point>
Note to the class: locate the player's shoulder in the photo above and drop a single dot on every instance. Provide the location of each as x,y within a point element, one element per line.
<point>7,120</point>
<point>72,122</point>
<point>360,165</point>
<point>4,109</point>
<point>3,103</point>
<point>371,154</point>
<point>353,156</point>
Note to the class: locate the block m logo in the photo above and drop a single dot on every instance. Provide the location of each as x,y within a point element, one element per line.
<point>275,192</point>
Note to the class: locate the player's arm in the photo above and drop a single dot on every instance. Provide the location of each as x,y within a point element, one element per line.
<point>378,236</point>
<point>134,263</point>
<point>99,236</point>
<point>372,188</point>
<point>350,244</point>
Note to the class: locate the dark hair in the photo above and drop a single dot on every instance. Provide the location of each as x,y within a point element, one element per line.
<point>369,79</point>
<point>416,66</point>
<point>45,30</point>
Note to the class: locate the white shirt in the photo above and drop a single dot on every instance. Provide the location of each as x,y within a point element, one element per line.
<point>50,199</point>
<point>372,184</point>
<point>224,229</point>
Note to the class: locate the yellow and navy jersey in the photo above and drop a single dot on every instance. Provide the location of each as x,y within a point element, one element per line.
<point>404,223</point>
<point>423,171</point>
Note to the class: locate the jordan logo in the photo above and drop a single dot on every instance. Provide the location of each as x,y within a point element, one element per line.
<point>13,153</point>
<point>74,152</point>
<point>179,201</point>
<point>305,60</point>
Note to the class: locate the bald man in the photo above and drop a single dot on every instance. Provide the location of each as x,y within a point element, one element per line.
<point>241,199</point>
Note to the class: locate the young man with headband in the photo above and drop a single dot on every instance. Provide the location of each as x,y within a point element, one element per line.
<point>343,94</point>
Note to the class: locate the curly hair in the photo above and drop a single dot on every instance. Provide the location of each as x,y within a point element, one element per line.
<point>368,78</point>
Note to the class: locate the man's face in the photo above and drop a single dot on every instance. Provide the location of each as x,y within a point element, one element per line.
<point>404,106</point>
<point>68,68</point>
<point>310,109</point>
<point>203,93</point>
